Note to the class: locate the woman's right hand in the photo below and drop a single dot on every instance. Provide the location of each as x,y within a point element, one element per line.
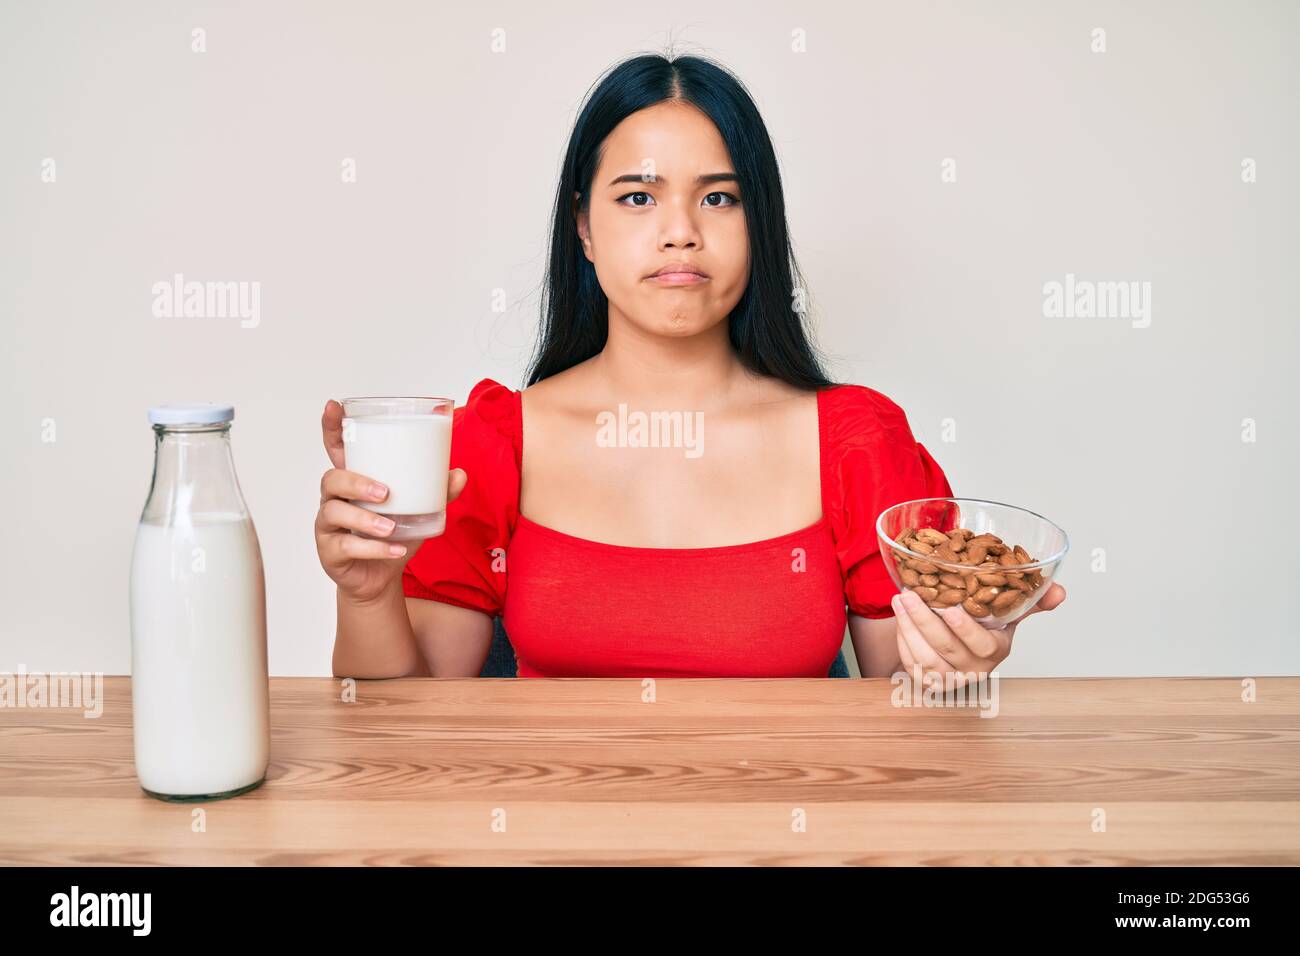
<point>362,568</point>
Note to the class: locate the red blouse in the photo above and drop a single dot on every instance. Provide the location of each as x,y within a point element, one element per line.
<point>580,608</point>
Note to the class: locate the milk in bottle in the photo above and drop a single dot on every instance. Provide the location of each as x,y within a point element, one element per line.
<point>199,682</point>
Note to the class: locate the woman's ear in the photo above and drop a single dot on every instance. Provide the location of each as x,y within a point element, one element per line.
<point>584,225</point>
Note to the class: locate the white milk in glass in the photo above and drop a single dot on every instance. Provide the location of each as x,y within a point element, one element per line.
<point>199,683</point>
<point>408,452</point>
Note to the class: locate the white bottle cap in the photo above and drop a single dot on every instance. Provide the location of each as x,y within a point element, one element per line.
<point>190,413</point>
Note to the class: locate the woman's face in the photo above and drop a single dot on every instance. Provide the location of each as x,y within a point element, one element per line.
<point>665,192</point>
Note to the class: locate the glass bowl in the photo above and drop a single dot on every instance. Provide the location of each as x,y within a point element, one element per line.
<point>932,546</point>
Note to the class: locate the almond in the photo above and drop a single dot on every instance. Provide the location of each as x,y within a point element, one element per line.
<point>979,578</point>
<point>930,536</point>
<point>1006,601</point>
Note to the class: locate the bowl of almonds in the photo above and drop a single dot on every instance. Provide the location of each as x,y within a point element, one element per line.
<point>994,560</point>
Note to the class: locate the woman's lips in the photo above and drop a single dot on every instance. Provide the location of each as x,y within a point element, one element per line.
<point>678,278</point>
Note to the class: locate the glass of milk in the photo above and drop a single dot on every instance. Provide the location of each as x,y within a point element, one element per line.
<point>199,688</point>
<point>405,443</point>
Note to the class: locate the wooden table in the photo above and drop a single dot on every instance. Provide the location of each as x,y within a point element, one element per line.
<point>424,771</point>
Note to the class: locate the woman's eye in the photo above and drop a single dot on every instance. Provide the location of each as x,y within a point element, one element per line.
<point>731,200</point>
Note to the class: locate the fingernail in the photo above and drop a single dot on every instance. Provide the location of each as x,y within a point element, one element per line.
<point>396,549</point>
<point>909,599</point>
<point>385,524</point>
<point>377,490</point>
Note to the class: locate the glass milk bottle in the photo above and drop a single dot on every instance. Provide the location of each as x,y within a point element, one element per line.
<point>199,686</point>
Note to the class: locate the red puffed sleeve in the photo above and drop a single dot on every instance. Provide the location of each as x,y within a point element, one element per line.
<point>872,461</point>
<point>461,566</point>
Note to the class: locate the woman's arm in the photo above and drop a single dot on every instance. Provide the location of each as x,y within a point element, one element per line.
<point>373,638</point>
<point>875,644</point>
<point>453,641</point>
<point>398,636</point>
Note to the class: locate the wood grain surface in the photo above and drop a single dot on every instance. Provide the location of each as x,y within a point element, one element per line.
<point>821,772</point>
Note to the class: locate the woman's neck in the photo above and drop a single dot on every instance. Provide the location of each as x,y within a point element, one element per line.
<point>647,370</point>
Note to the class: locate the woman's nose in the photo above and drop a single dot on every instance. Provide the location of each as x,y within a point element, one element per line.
<point>678,228</point>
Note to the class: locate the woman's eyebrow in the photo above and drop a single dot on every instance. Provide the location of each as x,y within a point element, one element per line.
<point>661,181</point>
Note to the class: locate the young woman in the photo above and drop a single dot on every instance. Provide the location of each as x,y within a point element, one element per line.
<point>738,549</point>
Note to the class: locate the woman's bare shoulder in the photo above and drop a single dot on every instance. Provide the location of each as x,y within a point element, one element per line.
<point>561,394</point>
<point>773,399</point>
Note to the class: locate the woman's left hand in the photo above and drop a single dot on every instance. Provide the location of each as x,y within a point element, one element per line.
<point>948,640</point>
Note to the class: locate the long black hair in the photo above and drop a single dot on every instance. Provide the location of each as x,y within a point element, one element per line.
<point>766,332</point>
